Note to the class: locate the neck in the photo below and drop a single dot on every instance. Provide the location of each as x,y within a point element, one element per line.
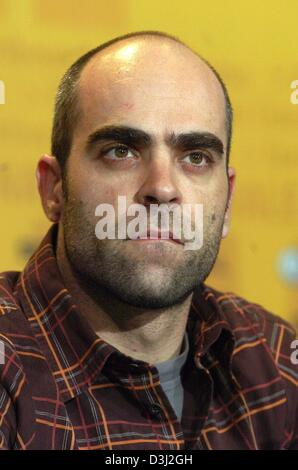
<point>151,336</point>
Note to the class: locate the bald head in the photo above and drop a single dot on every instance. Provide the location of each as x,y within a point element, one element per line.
<point>133,69</point>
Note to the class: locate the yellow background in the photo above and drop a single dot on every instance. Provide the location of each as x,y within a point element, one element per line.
<point>254,46</point>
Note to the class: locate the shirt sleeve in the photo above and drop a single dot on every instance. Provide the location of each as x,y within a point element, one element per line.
<point>294,362</point>
<point>288,366</point>
<point>8,366</point>
<point>7,420</point>
<point>294,443</point>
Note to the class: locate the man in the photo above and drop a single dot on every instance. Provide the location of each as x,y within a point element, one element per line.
<point>118,344</point>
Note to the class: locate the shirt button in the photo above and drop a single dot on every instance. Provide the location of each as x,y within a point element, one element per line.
<point>156,410</point>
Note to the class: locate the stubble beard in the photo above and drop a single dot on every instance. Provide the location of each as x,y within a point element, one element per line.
<point>110,268</point>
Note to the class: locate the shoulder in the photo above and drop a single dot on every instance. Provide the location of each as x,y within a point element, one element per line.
<point>15,333</point>
<point>241,313</point>
<point>13,321</point>
<point>265,354</point>
<point>16,341</point>
<point>258,332</point>
<point>8,301</point>
<point>261,336</point>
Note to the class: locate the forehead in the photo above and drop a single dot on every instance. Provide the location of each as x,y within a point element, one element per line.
<point>158,86</point>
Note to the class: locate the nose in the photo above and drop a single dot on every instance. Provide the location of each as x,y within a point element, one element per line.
<point>160,184</point>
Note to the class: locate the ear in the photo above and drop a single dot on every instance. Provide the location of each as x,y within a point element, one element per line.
<point>231,178</point>
<point>49,181</point>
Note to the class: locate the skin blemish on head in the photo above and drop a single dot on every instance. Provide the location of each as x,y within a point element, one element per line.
<point>127,106</point>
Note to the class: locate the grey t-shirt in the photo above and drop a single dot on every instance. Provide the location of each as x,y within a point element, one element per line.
<point>170,379</point>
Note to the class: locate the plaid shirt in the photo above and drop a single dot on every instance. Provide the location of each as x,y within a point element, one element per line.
<point>63,387</point>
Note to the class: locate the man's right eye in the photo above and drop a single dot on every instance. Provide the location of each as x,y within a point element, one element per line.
<point>117,152</point>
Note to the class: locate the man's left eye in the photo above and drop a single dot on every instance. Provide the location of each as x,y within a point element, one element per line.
<point>197,159</point>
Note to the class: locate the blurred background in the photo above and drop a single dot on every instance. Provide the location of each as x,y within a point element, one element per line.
<point>253,45</point>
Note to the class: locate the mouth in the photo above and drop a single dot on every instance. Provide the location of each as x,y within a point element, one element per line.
<point>157,235</point>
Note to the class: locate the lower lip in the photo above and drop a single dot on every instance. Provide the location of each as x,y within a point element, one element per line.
<point>154,240</point>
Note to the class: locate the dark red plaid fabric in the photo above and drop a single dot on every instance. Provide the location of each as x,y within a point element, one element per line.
<point>63,387</point>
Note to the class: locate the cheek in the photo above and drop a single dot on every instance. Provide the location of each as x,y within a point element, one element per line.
<point>90,189</point>
<point>92,183</point>
<point>212,199</point>
<point>217,197</point>
<point>214,205</point>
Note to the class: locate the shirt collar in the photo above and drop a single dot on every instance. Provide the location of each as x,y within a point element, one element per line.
<point>74,352</point>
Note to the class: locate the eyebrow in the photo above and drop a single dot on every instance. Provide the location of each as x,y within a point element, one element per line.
<point>134,137</point>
